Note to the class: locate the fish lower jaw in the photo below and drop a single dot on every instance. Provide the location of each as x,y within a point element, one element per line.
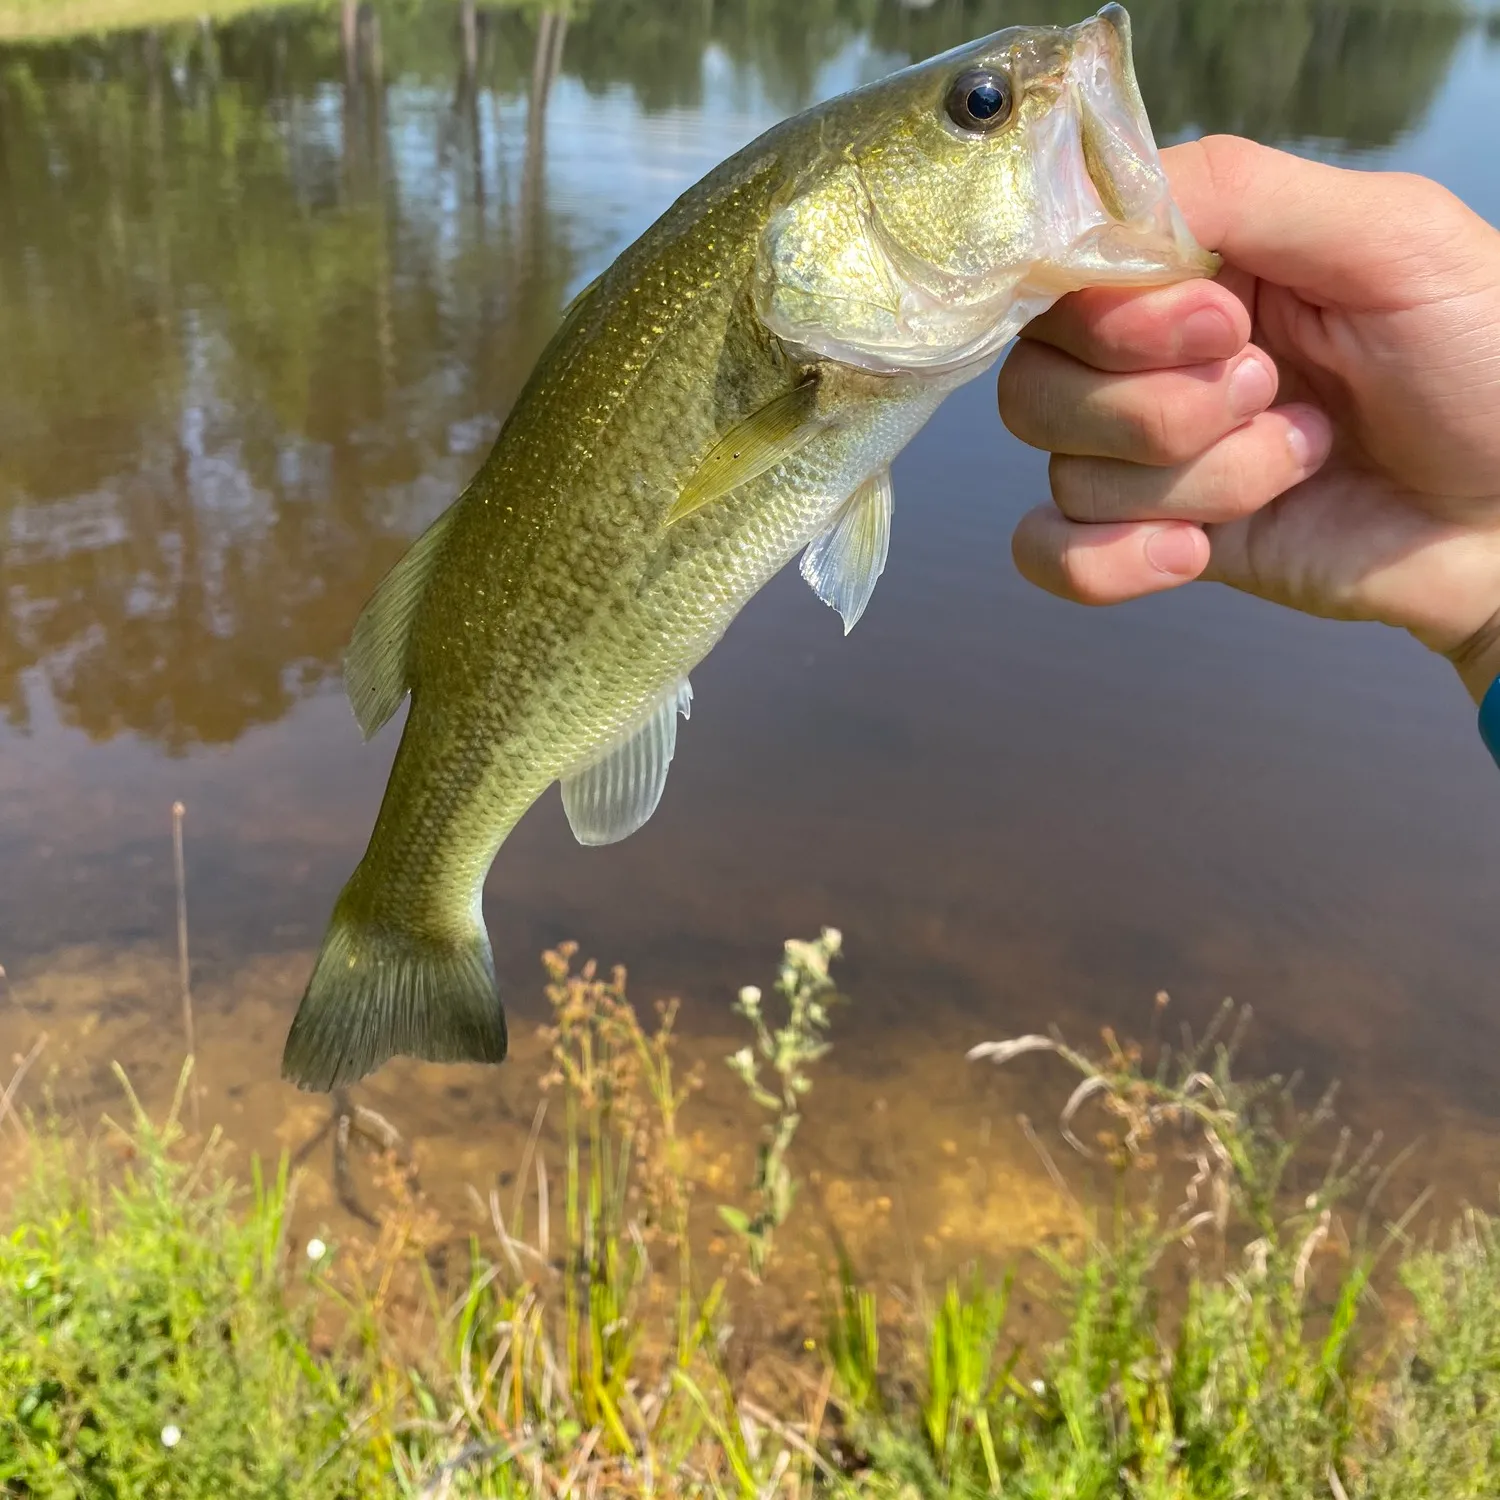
<point>949,366</point>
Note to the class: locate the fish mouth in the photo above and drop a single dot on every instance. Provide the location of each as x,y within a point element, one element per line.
<point>1104,173</point>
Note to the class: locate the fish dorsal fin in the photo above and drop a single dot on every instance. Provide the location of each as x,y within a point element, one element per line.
<point>377,664</point>
<point>748,449</point>
<point>843,564</point>
<point>609,799</point>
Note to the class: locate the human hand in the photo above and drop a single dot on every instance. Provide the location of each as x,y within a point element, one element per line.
<point>1367,307</point>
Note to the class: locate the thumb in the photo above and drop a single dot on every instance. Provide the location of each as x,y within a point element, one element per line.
<point>1362,240</point>
<point>1344,548</point>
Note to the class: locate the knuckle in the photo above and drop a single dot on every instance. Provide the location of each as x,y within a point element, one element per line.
<point>1045,556</point>
<point>1244,472</point>
<point>1159,428</point>
<point>1079,574</point>
<point>1032,551</point>
<point>1039,393</point>
<point>1229,163</point>
<point>1226,491</point>
<point>1079,488</point>
<point>1018,394</point>
<point>1424,197</point>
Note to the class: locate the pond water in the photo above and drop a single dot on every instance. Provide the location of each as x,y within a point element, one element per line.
<point>267,288</point>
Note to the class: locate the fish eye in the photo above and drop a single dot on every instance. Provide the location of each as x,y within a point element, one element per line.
<point>979,100</point>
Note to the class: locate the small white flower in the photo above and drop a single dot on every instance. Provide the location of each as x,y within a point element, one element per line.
<point>171,1435</point>
<point>316,1250</point>
<point>1040,1387</point>
<point>750,995</point>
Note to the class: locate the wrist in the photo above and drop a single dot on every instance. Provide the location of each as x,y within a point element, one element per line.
<point>1489,720</point>
<point>1477,661</point>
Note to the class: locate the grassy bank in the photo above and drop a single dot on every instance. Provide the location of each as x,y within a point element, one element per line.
<point>1218,1333</point>
<point>54,20</point>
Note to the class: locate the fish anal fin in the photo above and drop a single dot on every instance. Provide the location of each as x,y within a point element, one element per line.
<point>845,562</point>
<point>760,442</point>
<point>614,795</point>
<point>377,664</point>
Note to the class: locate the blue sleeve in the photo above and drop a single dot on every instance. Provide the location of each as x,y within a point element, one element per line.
<point>1489,719</point>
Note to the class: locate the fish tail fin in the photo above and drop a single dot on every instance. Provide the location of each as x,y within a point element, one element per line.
<point>380,989</point>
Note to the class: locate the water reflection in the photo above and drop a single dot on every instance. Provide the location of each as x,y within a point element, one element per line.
<point>256,324</point>
<point>1350,75</point>
<point>262,303</point>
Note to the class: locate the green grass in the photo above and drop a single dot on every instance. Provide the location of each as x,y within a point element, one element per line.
<point>55,20</point>
<point>158,1338</point>
<point>61,20</point>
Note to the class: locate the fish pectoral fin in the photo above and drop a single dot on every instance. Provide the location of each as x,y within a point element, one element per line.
<point>610,798</point>
<point>377,665</point>
<point>843,564</point>
<point>760,442</point>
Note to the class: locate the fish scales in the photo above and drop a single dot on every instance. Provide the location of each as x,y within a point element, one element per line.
<point>729,393</point>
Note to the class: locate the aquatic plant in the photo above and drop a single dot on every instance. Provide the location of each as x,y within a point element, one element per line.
<point>1217,1328</point>
<point>787,1051</point>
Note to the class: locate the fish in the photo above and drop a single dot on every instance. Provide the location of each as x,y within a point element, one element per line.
<point>728,395</point>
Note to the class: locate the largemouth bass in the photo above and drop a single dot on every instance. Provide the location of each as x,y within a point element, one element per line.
<point>728,394</point>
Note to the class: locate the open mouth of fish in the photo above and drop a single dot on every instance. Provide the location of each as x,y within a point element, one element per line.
<point>1091,207</point>
<point>1097,161</point>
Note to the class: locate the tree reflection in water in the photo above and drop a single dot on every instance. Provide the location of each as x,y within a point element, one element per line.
<point>262,305</point>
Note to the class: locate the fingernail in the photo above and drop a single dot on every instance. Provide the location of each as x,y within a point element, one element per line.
<point>1206,334</point>
<point>1174,550</point>
<point>1309,435</point>
<point>1251,386</point>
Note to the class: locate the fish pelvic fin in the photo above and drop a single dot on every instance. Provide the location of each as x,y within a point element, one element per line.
<point>845,563</point>
<point>377,666</point>
<point>379,990</point>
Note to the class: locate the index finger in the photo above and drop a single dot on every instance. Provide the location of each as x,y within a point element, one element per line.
<point>1372,240</point>
<point>1123,330</point>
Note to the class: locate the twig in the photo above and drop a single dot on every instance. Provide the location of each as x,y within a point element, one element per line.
<point>469,1454</point>
<point>792,1438</point>
<point>543,1213</point>
<point>379,1131</point>
<point>585,1452</point>
<point>898,1193</point>
<point>345,1120</point>
<point>22,1068</point>
<point>503,1235</point>
<point>783,1463</point>
<point>189,1032</point>
<point>820,1406</point>
<point>343,1177</point>
<point>1058,1180</point>
<point>315,1140</point>
<point>519,1199</point>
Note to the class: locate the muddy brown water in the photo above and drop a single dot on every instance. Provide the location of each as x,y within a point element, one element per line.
<point>266,291</point>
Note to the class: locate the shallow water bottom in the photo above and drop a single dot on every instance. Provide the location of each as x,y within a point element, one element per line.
<point>912,1159</point>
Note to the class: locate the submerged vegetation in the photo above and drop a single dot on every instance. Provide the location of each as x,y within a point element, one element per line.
<point>1218,1332</point>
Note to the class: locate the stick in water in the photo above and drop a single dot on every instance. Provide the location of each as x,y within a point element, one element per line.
<point>188,1033</point>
